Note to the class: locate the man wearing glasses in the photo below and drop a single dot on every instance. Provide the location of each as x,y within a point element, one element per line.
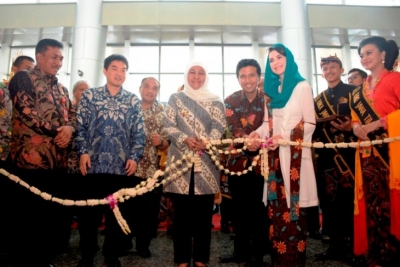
<point>356,77</point>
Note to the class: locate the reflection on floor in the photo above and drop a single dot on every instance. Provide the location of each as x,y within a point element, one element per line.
<point>162,253</point>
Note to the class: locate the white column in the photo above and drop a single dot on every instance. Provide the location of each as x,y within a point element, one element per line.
<point>256,53</point>
<point>89,43</point>
<point>5,53</point>
<point>295,34</point>
<point>346,59</point>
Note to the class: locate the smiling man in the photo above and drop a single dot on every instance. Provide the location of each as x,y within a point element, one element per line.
<point>43,121</point>
<point>244,114</point>
<point>110,142</point>
<point>335,175</point>
<point>148,205</point>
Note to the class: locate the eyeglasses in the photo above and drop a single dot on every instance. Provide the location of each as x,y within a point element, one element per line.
<point>352,77</point>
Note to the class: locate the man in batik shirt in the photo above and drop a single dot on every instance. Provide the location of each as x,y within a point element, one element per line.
<point>110,141</point>
<point>244,114</point>
<point>148,205</point>
<point>43,121</point>
<point>335,167</point>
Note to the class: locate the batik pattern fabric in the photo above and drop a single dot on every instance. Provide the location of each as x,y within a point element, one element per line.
<point>5,121</point>
<point>73,157</point>
<point>110,129</point>
<point>149,163</point>
<point>184,117</point>
<point>40,106</point>
<point>373,197</point>
<point>288,230</point>
<point>383,247</point>
<point>243,117</point>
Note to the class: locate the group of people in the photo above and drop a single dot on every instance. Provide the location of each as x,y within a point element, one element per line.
<point>108,139</point>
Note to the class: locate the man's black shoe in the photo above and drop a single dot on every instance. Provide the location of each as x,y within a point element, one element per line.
<point>232,258</point>
<point>331,254</point>
<point>113,262</point>
<point>85,263</point>
<point>254,263</point>
<point>315,235</point>
<point>144,253</point>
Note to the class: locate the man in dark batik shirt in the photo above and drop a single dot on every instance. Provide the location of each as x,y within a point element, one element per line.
<point>43,121</point>
<point>335,167</point>
<point>244,114</point>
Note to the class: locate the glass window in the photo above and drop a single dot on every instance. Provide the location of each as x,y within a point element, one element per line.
<point>373,2</point>
<point>144,59</point>
<point>231,84</point>
<point>262,55</point>
<point>233,54</point>
<point>211,56</point>
<point>115,50</point>
<point>169,85</point>
<point>326,52</point>
<point>174,58</point>
<point>215,85</point>
<point>355,59</point>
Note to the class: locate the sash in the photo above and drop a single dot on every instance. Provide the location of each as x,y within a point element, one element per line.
<point>323,109</point>
<point>363,112</point>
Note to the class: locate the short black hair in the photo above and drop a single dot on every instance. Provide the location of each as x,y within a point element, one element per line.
<point>248,62</point>
<point>44,44</point>
<point>146,78</point>
<point>362,73</point>
<point>18,61</point>
<point>115,57</point>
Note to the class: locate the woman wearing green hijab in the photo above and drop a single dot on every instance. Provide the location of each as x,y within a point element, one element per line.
<point>291,184</point>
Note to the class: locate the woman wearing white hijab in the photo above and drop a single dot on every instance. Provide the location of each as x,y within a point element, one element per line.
<point>190,115</point>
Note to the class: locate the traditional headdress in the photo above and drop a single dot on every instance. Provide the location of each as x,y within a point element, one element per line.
<point>327,60</point>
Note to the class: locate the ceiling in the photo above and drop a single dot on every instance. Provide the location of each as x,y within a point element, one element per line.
<point>227,35</point>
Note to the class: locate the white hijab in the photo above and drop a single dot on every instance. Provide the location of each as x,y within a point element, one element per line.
<point>202,94</point>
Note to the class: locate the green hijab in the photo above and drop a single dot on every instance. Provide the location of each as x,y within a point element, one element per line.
<point>291,78</point>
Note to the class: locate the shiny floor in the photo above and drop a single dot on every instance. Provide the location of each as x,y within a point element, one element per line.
<point>162,253</point>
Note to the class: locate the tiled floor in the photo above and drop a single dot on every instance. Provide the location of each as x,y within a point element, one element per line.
<point>162,253</point>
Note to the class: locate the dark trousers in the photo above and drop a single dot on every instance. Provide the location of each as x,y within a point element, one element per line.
<point>146,225</point>
<point>98,186</point>
<point>250,222</point>
<point>192,227</point>
<point>35,224</point>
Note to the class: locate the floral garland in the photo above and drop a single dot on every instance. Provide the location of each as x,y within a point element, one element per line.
<point>151,183</point>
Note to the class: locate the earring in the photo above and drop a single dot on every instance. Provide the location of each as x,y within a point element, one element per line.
<point>383,61</point>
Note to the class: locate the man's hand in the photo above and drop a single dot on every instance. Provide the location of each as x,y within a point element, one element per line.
<point>254,143</point>
<point>64,136</point>
<point>84,162</point>
<point>343,125</point>
<point>130,167</point>
<point>155,139</point>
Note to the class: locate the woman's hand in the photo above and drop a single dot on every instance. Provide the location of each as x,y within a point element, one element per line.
<point>274,144</point>
<point>362,131</point>
<point>194,144</point>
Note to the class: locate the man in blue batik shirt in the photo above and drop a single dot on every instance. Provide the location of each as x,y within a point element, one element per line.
<point>110,141</point>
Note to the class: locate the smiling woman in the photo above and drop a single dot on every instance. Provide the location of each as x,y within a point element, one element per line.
<point>190,115</point>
